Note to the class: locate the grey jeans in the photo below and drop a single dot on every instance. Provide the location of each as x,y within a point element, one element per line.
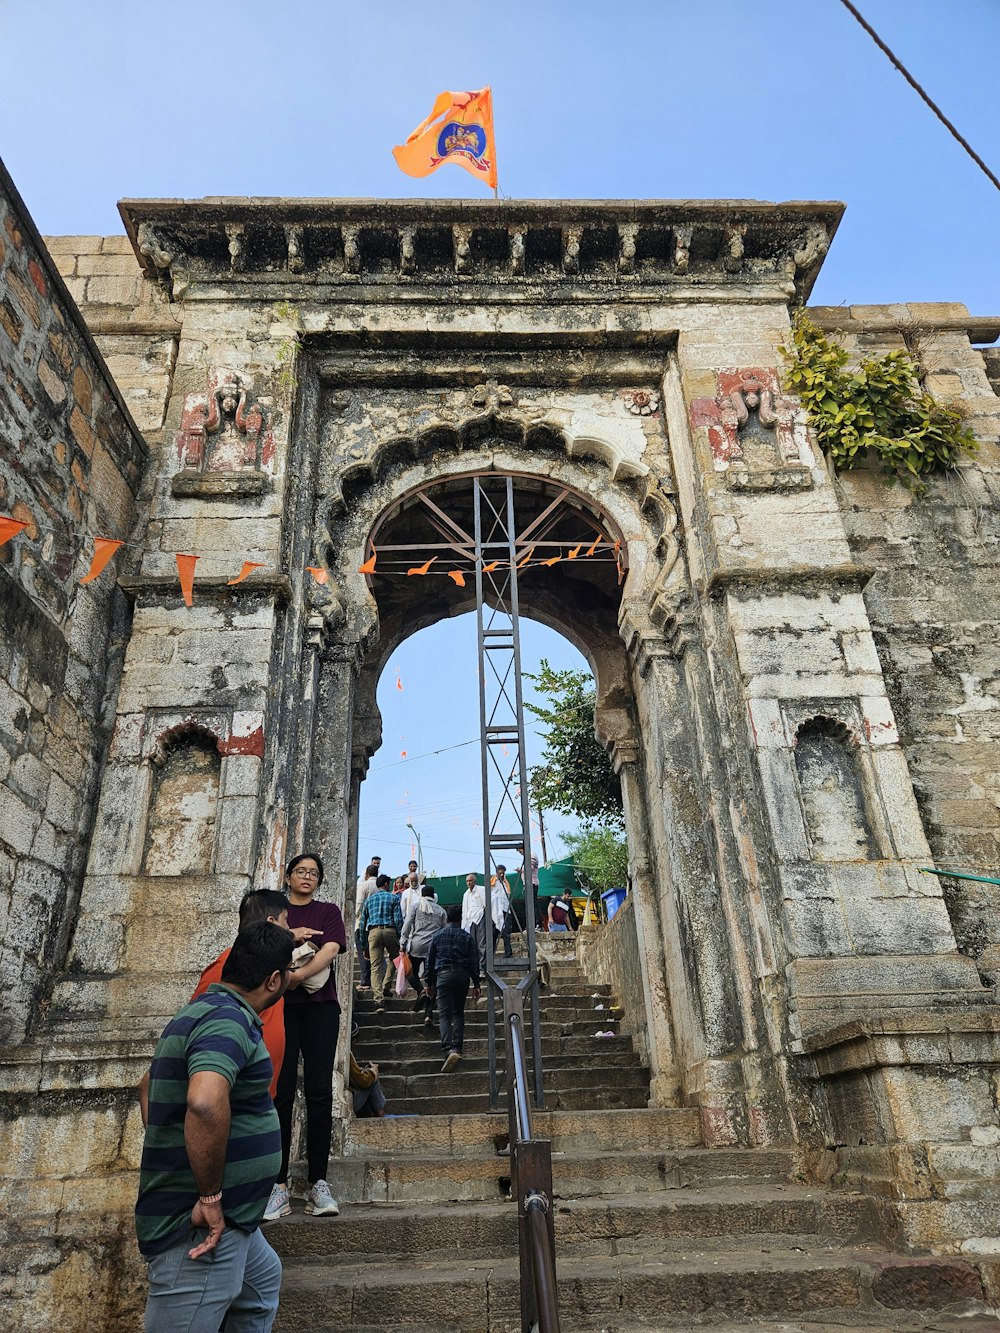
<point>238,1281</point>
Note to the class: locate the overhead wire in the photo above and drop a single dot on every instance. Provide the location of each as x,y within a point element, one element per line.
<point>920,91</point>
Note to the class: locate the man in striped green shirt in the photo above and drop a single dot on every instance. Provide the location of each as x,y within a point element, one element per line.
<point>212,1151</point>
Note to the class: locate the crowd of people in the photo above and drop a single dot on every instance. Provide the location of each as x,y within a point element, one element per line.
<point>217,1101</point>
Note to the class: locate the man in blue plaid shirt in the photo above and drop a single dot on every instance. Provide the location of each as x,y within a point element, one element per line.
<point>381,923</point>
<point>452,964</point>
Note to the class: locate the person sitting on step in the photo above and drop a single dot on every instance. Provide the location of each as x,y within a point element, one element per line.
<point>366,1091</point>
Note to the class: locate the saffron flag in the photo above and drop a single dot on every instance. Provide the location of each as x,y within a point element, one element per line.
<point>459,129</point>
<point>369,566</point>
<point>185,572</point>
<point>104,549</point>
<point>248,568</point>
<point>10,527</point>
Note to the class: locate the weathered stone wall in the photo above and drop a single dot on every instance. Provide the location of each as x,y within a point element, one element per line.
<point>610,956</point>
<point>934,603</point>
<point>71,462</point>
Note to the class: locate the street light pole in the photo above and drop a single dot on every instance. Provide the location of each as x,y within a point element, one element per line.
<point>420,853</point>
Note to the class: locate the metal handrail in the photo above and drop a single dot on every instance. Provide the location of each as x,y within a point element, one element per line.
<point>530,1178</point>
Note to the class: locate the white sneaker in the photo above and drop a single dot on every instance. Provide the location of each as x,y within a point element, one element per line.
<point>454,1058</point>
<point>278,1205</point>
<point>320,1202</point>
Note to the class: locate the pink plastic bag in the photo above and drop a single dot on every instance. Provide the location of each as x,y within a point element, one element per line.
<point>402,985</point>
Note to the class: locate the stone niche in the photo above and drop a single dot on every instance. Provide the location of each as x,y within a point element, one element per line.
<point>180,829</point>
<point>833,797</point>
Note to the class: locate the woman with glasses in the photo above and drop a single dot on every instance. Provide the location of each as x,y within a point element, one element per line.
<point>312,1025</point>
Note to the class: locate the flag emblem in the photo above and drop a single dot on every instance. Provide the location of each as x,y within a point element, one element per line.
<point>459,129</point>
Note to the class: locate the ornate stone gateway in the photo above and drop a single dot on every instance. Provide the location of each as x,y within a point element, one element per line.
<point>334,373</point>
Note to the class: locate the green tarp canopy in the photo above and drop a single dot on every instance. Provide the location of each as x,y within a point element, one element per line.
<point>552,880</point>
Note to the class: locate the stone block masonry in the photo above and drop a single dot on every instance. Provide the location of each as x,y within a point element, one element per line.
<point>71,463</point>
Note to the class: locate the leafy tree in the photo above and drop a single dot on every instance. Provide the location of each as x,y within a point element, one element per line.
<point>601,854</point>
<point>575,776</point>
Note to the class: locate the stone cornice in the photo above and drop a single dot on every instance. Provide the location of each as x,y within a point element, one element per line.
<point>374,243</point>
<point>158,587</point>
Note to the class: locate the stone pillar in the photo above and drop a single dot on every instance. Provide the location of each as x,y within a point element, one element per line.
<point>624,751</point>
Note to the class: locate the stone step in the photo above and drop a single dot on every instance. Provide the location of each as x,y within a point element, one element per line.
<point>426,1058</point>
<point>676,1221</point>
<point>428,1179</point>
<point>417,1042</point>
<point>858,1320</point>
<point>472,1078</point>
<point>482,1296</point>
<point>557,1099</point>
<point>652,1129</point>
<point>381,1027</point>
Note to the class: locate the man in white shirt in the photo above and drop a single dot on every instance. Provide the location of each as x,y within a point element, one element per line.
<point>474,915</point>
<point>411,894</point>
<point>501,888</point>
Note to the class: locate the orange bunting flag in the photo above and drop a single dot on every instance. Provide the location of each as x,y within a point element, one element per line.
<point>554,561</point>
<point>369,566</point>
<point>457,576</point>
<point>594,545</point>
<point>488,569</point>
<point>402,754</point>
<point>521,563</point>
<point>320,575</point>
<point>104,549</point>
<point>399,683</point>
<point>185,572</point>
<point>248,568</point>
<point>460,130</point>
<point>574,553</point>
<point>10,527</point>
<point>422,569</point>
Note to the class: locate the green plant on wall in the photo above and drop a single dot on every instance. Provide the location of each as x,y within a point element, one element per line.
<point>880,405</point>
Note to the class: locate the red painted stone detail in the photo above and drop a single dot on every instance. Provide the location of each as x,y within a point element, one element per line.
<point>717,1127</point>
<point>224,429</point>
<point>252,744</point>
<point>37,277</point>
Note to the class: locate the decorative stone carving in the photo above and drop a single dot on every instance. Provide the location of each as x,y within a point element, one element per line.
<point>461,237</point>
<point>407,253</point>
<point>682,247</point>
<point>295,238</point>
<point>491,397</point>
<point>734,240</point>
<point>627,234</point>
<point>571,249</point>
<point>642,402</point>
<point>352,253</point>
<point>815,244</point>
<point>517,239</point>
<point>236,235</point>
<point>152,247</point>
<point>223,430</point>
<point>752,424</point>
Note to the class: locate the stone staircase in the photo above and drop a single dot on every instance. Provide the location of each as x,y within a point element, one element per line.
<point>653,1230</point>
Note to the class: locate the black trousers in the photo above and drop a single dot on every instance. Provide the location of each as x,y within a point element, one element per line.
<point>311,1030</point>
<point>452,991</point>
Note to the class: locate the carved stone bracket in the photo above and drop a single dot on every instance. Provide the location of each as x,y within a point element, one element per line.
<point>627,234</point>
<point>236,236</point>
<point>461,235</point>
<point>571,249</point>
<point>295,240</point>
<point>153,248</point>
<point>407,251</point>
<point>682,248</point>
<point>517,260</point>
<point>352,252</point>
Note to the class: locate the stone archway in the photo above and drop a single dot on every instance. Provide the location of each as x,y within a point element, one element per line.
<point>598,613</point>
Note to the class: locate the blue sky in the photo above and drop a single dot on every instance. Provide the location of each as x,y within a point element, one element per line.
<point>764,99</point>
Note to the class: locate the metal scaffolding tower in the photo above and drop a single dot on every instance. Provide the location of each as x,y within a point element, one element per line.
<point>506,829</point>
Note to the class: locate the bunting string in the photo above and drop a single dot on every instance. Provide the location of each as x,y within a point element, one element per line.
<point>602,550</point>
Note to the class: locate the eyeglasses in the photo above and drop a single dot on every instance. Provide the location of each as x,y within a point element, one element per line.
<point>305,874</point>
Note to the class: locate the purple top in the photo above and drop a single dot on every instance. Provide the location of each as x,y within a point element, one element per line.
<point>327,918</point>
